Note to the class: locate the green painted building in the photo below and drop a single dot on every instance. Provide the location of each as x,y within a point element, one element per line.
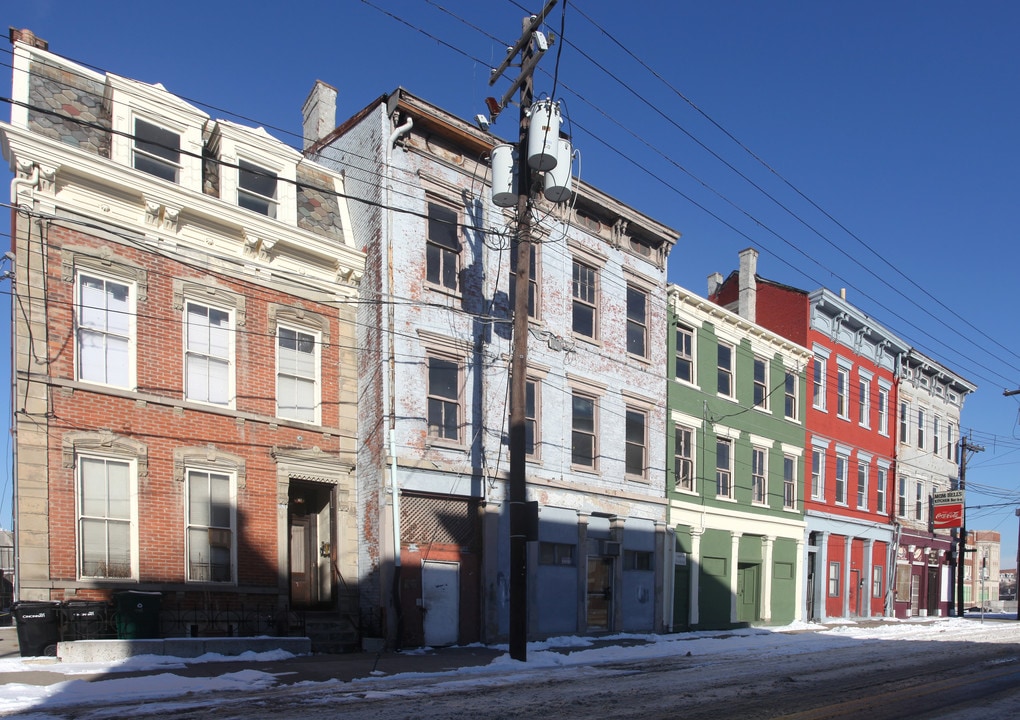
<point>735,430</point>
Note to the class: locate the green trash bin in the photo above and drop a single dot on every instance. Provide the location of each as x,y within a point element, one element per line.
<point>137,614</point>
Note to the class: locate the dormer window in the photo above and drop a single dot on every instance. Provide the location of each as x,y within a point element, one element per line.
<point>157,151</point>
<point>256,188</point>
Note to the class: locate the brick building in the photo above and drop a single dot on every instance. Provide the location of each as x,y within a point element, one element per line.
<point>186,375</point>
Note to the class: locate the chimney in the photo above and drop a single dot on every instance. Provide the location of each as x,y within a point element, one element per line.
<point>714,281</point>
<point>318,113</point>
<point>747,304</point>
<point>27,37</point>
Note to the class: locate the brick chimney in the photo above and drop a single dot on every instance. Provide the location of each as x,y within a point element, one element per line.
<point>27,37</point>
<point>748,300</point>
<point>319,113</point>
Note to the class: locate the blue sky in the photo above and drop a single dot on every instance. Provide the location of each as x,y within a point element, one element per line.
<point>870,146</point>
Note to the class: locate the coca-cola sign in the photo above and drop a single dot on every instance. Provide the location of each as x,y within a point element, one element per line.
<point>949,516</point>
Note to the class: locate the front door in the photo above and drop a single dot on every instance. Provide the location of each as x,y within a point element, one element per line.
<point>933,591</point>
<point>855,592</point>
<point>302,569</point>
<point>311,531</point>
<point>440,597</point>
<point>600,593</point>
<point>748,592</point>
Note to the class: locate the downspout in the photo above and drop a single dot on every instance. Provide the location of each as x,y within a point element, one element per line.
<point>32,181</point>
<point>397,133</point>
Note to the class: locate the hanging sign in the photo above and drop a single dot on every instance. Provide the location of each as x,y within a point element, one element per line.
<point>948,509</point>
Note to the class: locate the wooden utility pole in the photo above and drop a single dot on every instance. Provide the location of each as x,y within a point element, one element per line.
<point>961,552</point>
<point>519,353</point>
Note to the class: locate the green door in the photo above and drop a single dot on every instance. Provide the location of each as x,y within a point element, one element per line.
<point>748,593</point>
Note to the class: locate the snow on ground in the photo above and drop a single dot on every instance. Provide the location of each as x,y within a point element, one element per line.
<point>568,651</point>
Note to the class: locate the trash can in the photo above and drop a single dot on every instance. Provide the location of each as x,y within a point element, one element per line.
<point>137,614</point>
<point>86,620</point>
<point>38,627</point>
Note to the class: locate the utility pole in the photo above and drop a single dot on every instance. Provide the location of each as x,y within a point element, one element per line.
<point>965,446</point>
<point>519,353</point>
<point>1016,581</point>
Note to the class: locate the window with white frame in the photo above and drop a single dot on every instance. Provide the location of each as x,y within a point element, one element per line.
<point>883,410</point>
<point>842,392</point>
<point>209,344</point>
<point>724,384</point>
<point>531,404</point>
<point>156,151</point>
<point>584,291</point>
<point>790,400</point>
<point>759,482</point>
<point>818,382</point>
<point>876,581</point>
<point>936,434</point>
<point>880,489</point>
<point>904,422</point>
<point>761,383</point>
<point>834,578</point>
<point>106,517</point>
<point>950,442</point>
<point>444,401</point>
<point>442,247</point>
<point>683,458</point>
<point>724,467</point>
<point>210,534</point>
<point>636,441</point>
<point>862,485</point>
<point>842,463</point>
<point>637,321</point>
<point>864,402</point>
<point>790,482</point>
<point>684,353</point>
<point>297,375</point>
<point>256,188</point>
<point>901,497</point>
<point>532,281</point>
<point>583,438</point>
<point>921,420</point>
<point>105,330</point>
<point>918,500</point>
<point>817,474</point>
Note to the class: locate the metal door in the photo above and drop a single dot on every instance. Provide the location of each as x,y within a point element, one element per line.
<point>440,590</point>
<point>600,593</point>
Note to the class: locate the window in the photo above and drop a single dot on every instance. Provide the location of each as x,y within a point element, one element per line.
<point>936,434</point>
<point>105,331</point>
<point>918,500</point>
<point>920,428</point>
<point>790,396</point>
<point>950,443</point>
<point>724,384</point>
<point>637,321</point>
<point>256,188</point>
<point>635,442</point>
<point>297,371</point>
<point>442,249</point>
<point>210,341</point>
<point>683,459</point>
<point>862,485</point>
<point>833,579</point>
<point>583,445</point>
<point>585,294</point>
<point>817,475</point>
<point>841,477</point>
<point>105,520</point>
<point>761,383</point>
<point>210,527</point>
<point>532,281</point>
<point>904,422</point>
<point>901,498</point>
<point>876,581</point>
<point>880,490</point>
<point>156,151</point>
<point>724,467</point>
<point>883,411</point>
<point>864,400</point>
<point>637,560</point>
<point>759,488</point>
<point>842,389</point>
<point>684,354</point>
<point>789,482</point>
<point>444,399</point>
<point>531,418</point>
<point>550,553</point>
<point>818,382</point>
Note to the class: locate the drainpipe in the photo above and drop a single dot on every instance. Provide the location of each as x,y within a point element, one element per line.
<point>32,181</point>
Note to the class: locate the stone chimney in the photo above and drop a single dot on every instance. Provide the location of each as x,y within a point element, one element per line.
<point>318,113</point>
<point>714,281</point>
<point>28,37</point>
<point>747,305</point>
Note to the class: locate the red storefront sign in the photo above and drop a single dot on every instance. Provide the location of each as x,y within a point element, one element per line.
<point>948,516</point>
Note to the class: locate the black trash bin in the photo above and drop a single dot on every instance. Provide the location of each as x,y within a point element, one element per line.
<point>137,614</point>
<point>86,620</point>
<point>38,627</point>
